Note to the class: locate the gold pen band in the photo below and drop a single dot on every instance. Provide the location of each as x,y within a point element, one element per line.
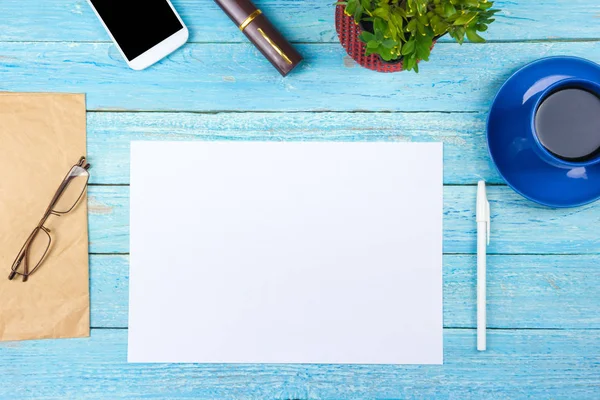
<point>275,47</point>
<point>250,19</point>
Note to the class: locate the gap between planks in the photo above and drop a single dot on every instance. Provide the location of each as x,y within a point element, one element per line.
<point>217,112</point>
<point>121,328</point>
<point>445,184</point>
<point>446,254</point>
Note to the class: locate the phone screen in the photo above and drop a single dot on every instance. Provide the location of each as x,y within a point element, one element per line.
<point>138,25</point>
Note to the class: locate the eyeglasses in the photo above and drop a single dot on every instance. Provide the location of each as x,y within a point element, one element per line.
<point>64,201</point>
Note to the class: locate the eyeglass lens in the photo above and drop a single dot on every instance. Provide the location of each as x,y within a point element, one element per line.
<point>34,252</point>
<point>77,181</point>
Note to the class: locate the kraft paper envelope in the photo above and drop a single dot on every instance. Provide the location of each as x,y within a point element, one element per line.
<point>41,137</point>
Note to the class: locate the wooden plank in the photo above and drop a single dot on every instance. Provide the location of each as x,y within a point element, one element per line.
<point>300,21</point>
<point>519,364</point>
<point>466,159</point>
<point>108,219</point>
<point>518,225</point>
<point>523,291</point>
<point>199,77</point>
<point>109,291</point>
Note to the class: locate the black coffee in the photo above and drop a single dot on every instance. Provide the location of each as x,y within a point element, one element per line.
<point>568,124</point>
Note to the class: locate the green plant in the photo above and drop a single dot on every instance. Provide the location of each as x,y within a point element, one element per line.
<point>407,28</point>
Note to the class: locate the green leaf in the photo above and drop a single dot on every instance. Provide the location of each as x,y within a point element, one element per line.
<point>387,55</point>
<point>389,43</point>
<point>464,19</point>
<point>423,53</point>
<point>397,20</point>
<point>481,27</point>
<point>372,44</point>
<point>366,36</point>
<point>409,63</point>
<point>460,34</point>
<point>423,48</point>
<point>400,12</point>
<point>440,28</point>
<point>351,7</point>
<point>379,25</point>
<point>358,13</point>
<point>473,36</point>
<point>381,13</point>
<point>449,9</point>
<point>409,47</point>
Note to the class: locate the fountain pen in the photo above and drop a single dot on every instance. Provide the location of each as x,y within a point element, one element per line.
<point>262,34</point>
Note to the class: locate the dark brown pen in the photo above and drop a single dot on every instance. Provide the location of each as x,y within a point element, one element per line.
<point>262,34</point>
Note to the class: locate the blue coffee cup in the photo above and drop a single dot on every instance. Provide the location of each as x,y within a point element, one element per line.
<point>537,102</point>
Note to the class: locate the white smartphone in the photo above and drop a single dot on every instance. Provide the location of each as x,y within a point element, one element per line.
<point>145,31</point>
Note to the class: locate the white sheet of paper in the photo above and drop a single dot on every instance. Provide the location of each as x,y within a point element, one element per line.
<point>247,252</point>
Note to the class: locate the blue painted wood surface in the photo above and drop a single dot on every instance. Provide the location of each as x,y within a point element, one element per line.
<point>458,78</point>
<point>520,227</point>
<point>544,304</point>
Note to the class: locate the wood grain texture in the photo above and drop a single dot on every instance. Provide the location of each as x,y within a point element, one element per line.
<point>536,364</point>
<point>237,78</point>
<point>300,21</point>
<point>518,226</point>
<point>466,158</point>
<point>523,291</point>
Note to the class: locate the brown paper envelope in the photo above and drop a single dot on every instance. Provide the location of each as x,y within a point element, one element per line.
<point>41,137</point>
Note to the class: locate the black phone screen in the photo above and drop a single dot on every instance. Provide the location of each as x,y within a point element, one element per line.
<point>138,25</point>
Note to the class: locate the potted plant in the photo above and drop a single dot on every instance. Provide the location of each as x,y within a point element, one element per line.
<point>405,30</point>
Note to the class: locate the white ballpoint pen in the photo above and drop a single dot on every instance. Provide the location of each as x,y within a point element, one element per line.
<point>483,240</point>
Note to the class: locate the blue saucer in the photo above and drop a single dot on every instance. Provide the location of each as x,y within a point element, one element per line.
<point>512,148</point>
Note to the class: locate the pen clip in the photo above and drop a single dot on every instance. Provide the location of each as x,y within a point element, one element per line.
<point>275,47</point>
<point>482,213</point>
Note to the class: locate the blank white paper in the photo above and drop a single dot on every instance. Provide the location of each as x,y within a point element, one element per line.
<point>245,252</point>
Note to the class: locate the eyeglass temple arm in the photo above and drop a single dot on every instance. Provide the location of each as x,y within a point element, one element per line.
<point>83,163</point>
<point>18,261</point>
<point>13,274</point>
<point>25,274</point>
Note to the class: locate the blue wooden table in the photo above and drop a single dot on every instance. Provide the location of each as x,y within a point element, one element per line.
<point>544,268</point>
